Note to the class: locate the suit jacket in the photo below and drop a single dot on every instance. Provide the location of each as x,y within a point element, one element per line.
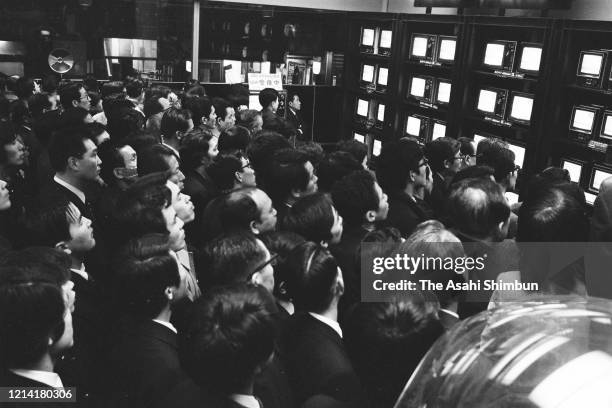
<point>10,379</point>
<point>297,123</point>
<point>317,361</point>
<point>53,194</point>
<point>143,366</point>
<point>405,213</point>
<point>438,196</point>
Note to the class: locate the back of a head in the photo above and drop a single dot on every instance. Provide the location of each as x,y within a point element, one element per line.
<point>312,217</point>
<point>111,87</point>
<point>267,96</point>
<point>66,143</point>
<point>354,195</point>
<point>467,146</point>
<point>222,171</point>
<point>283,244</point>
<point>32,311</point>
<point>153,159</point>
<point>234,139</point>
<point>478,171</point>
<point>134,88</point>
<point>395,162</point>
<point>312,285</point>
<point>248,118</point>
<point>68,93</point>
<point>487,143</point>
<point>476,207</point>
<point>379,335</point>
<point>199,107</point>
<point>143,269</point>
<point>229,258</point>
<point>500,158</point>
<point>552,215</point>
<point>175,120</point>
<point>335,166</point>
<point>232,334</point>
<point>313,150</point>
<point>262,148</point>
<point>357,149</point>
<point>287,173</point>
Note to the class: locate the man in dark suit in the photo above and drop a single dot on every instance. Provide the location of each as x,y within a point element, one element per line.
<point>143,366</point>
<point>445,159</point>
<point>361,202</point>
<point>294,116</point>
<point>268,99</point>
<point>404,174</point>
<point>317,361</point>
<point>74,157</point>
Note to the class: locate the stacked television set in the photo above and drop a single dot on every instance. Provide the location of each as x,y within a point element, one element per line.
<point>513,58</point>
<point>505,106</point>
<point>433,49</point>
<point>375,40</point>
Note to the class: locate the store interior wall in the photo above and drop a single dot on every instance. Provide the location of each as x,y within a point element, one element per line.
<point>345,5</point>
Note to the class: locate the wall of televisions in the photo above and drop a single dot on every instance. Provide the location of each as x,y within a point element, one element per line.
<point>542,85</point>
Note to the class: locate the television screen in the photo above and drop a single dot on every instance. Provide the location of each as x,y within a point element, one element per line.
<point>599,176</point>
<point>447,49</point>
<point>591,64</point>
<point>419,46</point>
<point>494,54</point>
<point>359,137</point>
<point>385,39</point>
<point>362,107</point>
<point>606,127</point>
<point>376,147</point>
<point>254,102</point>
<point>444,91</point>
<point>531,58</point>
<point>367,37</point>
<point>383,74</point>
<point>519,154</point>
<point>487,101</point>
<point>574,170</point>
<point>439,130</point>
<point>590,198</point>
<point>417,88</point>
<point>367,74</point>
<point>413,126</point>
<point>583,119</point>
<point>521,107</point>
<point>381,113</point>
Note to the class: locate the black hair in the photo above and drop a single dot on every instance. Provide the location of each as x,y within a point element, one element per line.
<point>311,285</point>
<point>66,143</point>
<point>467,146</point>
<point>38,103</point>
<point>354,195</point>
<point>229,258</point>
<point>335,166</point>
<point>222,170</point>
<point>478,171</point>
<point>221,106</point>
<point>152,106</point>
<point>144,269</point>
<point>396,161</point>
<point>312,217</point>
<point>24,87</point>
<point>175,120</point>
<point>282,243</point>
<point>154,158</point>
<point>194,149</point>
<point>73,116</point>
<point>199,106</point>
<point>7,137</point>
<point>234,139</point>
<point>501,159</point>
<point>441,150</point>
<point>134,88</point>
<point>267,96</point>
<point>357,149</point>
<point>246,118</point>
<point>287,173</point>
<point>70,92</point>
<point>262,149</point>
<point>232,333</point>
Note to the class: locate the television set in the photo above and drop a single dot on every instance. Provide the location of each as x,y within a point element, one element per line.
<point>417,126</point>
<point>593,68</point>
<point>363,107</point>
<point>359,137</point>
<point>530,58</point>
<point>423,47</point>
<point>519,154</point>
<point>376,147</point>
<point>380,115</point>
<point>438,130</point>
<point>583,119</point>
<point>421,88</point>
<point>366,77</point>
<point>606,125</point>
<point>446,49</point>
<point>492,102</point>
<point>574,169</point>
<point>598,175</point>
<point>589,198</point>
<point>521,107</point>
<point>382,79</point>
<point>384,42</point>
<point>500,55</point>
<point>443,91</point>
<point>366,42</point>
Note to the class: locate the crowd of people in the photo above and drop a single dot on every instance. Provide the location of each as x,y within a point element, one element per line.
<point>160,248</point>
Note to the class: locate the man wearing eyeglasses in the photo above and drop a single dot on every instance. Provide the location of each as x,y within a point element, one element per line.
<point>445,159</point>
<point>74,95</point>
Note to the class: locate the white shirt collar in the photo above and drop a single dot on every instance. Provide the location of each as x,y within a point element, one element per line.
<point>46,377</point>
<point>81,272</point>
<point>173,149</point>
<point>334,325</point>
<point>167,324</point>
<point>247,401</point>
<point>449,312</point>
<point>70,187</point>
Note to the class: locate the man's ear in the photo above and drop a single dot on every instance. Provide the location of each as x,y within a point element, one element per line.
<point>238,176</point>
<point>117,173</point>
<point>447,164</point>
<point>169,293</point>
<point>73,163</point>
<point>296,193</point>
<point>253,225</point>
<point>75,103</point>
<point>412,176</point>
<point>370,216</point>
